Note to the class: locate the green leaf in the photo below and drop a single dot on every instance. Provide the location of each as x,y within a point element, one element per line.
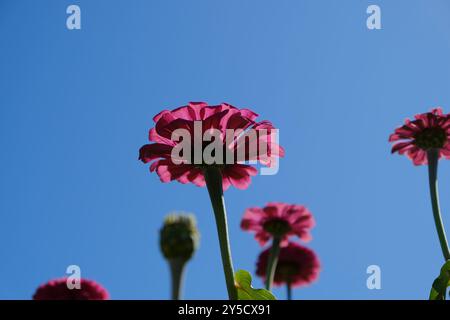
<point>440,285</point>
<point>243,281</point>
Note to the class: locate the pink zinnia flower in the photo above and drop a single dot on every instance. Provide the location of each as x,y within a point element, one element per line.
<point>220,117</point>
<point>278,219</point>
<point>427,131</point>
<point>57,290</point>
<point>297,265</point>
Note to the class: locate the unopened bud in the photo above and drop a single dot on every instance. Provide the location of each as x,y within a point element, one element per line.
<point>179,236</point>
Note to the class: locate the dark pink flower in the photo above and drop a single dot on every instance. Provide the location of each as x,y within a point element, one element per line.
<point>279,219</point>
<point>297,265</point>
<point>427,131</point>
<point>221,118</point>
<point>57,290</point>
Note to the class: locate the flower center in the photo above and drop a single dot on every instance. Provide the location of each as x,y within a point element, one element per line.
<point>287,270</point>
<point>277,227</point>
<point>430,138</point>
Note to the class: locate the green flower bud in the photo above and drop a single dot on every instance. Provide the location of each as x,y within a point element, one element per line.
<point>179,237</point>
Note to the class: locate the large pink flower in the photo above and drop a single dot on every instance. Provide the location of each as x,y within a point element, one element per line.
<point>278,219</point>
<point>220,117</point>
<point>57,290</point>
<point>427,131</point>
<point>297,265</point>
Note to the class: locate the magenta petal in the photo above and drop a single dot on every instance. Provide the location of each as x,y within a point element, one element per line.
<point>220,117</point>
<point>297,217</point>
<point>153,151</point>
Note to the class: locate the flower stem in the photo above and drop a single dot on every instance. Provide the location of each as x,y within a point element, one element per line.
<point>433,159</point>
<point>177,267</point>
<point>273,260</point>
<point>289,290</point>
<point>213,178</point>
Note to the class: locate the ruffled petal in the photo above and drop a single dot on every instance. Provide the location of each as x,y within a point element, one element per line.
<point>153,151</point>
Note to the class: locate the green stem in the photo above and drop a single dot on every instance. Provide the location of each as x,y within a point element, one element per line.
<point>289,290</point>
<point>213,178</point>
<point>433,159</point>
<point>273,260</point>
<point>177,267</point>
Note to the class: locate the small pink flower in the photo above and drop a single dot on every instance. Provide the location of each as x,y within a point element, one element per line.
<point>427,131</point>
<point>297,265</point>
<point>220,117</point>
<point>57,290</point>
<point>278,219</point>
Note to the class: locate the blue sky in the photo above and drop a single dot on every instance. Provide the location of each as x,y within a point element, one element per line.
<point>75,106</point>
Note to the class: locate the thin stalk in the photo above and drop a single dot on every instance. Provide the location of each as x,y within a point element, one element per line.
<point>273,261</point>
<point>289,290</point>
<point>433,159</point>
<point>213,178</point>
<point>177,267</point>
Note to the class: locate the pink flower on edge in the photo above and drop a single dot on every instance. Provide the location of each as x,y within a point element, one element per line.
<point>57,290</point>
<point>427,131</point>
<point>220,117</point>
<point>296,264</point>
<point>278,218</point>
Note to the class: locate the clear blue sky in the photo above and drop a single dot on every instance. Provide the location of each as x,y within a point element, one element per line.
<point>75,106</point>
